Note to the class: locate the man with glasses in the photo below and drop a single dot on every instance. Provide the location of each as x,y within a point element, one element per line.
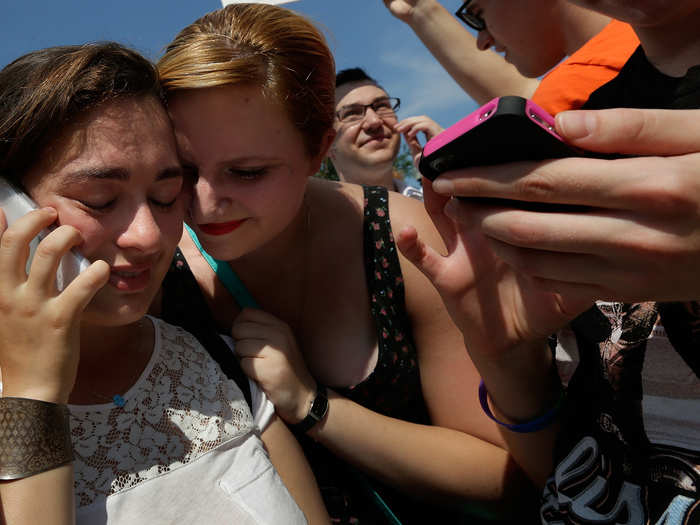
<point>533,35</point>
<point>368,137</point>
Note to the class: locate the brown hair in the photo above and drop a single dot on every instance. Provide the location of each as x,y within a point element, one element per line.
<point>260,45</point>
<point>44,91</point>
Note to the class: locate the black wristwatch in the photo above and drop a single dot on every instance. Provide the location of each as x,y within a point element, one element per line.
<point>318,410</point>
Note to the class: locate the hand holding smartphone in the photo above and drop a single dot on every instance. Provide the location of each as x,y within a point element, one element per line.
<point>16,204</point>
<point>506,129</point>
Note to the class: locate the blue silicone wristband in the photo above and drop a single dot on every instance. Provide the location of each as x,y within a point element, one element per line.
<point>530,426</point>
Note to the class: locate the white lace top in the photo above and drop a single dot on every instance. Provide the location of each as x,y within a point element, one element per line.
<point>184,448</point>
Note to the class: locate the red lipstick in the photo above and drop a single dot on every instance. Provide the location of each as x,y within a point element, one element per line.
<point>220,228</point>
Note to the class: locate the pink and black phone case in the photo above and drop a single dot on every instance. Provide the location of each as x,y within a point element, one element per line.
<point>506,129</point>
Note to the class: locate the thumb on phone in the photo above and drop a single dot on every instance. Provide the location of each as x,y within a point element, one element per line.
<point>632,131</point>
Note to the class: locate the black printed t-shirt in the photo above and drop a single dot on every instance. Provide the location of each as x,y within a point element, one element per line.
<point>607,469</point>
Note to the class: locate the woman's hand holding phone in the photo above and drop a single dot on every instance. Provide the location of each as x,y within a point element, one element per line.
<point>40,327</point>
<point>640,236</point>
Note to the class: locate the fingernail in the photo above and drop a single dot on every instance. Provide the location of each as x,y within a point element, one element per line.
<point>444,186</point>
<point>576,124</point>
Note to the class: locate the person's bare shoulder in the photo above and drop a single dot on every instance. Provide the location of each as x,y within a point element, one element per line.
<point>344,202</point>
<point>342,199</point>
<point>405,211</point>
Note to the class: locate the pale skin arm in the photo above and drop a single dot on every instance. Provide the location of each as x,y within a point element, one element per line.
<point>428,462</point>
<point>450,379</point>
<point>482,74</point>
<point>505,320</point>
<point>39,350</point>
<point>54,488</point>
<point>391,449</point>
<point>288,458</point>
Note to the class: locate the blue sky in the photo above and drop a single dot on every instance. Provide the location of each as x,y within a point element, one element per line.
<point>360,33</point>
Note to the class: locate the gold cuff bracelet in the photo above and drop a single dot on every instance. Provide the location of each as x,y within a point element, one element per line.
<point>34,437</point>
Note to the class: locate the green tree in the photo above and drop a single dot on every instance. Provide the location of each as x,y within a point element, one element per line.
<point>403,163</point>
<point>327,170</point>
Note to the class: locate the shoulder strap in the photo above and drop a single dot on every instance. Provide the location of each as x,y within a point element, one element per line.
<point>382,267</point>
<point>226,275</point>
<point>184,305</point>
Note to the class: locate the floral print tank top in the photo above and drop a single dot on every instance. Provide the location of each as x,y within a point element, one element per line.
<point>394,387</point>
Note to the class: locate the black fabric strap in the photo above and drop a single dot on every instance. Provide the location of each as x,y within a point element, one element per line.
<point>184,305</point>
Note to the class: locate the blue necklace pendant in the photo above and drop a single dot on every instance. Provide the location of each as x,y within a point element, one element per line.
<point>119,400</point>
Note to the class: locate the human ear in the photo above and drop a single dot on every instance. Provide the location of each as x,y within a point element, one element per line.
<point>327,142</point>
<point>325,150</point>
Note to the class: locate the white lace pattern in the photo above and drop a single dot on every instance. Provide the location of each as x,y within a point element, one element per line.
<point>181,408</point>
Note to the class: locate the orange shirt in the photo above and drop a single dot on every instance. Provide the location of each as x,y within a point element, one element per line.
<point>598,61</point>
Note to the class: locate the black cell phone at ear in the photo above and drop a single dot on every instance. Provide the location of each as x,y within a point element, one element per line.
<point>15,203</point>
<point>506,129</point>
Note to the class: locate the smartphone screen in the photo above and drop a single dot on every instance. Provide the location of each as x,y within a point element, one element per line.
<point>15,204</point>
<point>506,129</point>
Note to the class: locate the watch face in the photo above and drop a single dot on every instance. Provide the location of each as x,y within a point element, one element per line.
<point>318,410</point>
<point>320,404</point>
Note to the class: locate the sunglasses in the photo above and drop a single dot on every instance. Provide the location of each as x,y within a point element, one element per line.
<point>472,20</point>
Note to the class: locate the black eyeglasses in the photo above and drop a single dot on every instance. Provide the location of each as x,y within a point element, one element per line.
<point>384,107</point>
<point>473,20</point>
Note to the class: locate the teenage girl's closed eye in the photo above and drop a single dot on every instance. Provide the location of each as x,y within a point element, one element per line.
<point>105,197</point>
<point>168,191</point>
<point>248,174</point>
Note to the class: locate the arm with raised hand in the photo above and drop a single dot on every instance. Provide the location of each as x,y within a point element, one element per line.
<point>39,352</point>
<point>505,319</point>
<point>482,74</point>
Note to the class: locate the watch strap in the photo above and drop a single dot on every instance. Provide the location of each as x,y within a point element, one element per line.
<point>318,411</point>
